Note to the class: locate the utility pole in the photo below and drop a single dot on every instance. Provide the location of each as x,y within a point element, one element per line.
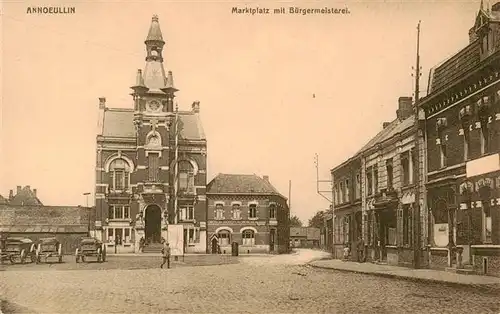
<point>289,212</point>
<point>318,181</point>
<point>416,169</point>
<point>86,194</point>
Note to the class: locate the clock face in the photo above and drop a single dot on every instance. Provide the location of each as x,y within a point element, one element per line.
<point>154,105</point>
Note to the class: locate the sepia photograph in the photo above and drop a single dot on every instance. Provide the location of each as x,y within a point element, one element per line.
<point>326,156</point>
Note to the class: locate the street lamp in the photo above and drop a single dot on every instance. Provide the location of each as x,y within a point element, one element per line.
<point>87,205</point>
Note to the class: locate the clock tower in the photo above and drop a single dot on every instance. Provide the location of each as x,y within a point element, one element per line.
<point>153,95</point>
<point>151,163</point>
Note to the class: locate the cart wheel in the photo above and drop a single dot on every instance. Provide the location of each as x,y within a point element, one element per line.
<point>22,256</point>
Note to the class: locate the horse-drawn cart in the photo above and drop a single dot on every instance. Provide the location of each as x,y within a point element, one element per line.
<point>90,247</point>
<point>49,247</point>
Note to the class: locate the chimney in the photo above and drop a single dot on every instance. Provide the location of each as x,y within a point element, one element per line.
<point>405,108</point>
<point>34,191</point>
<point>196,106</point>
<point>385,124</point>
<point>266,178</point>
<point>18,189</point>
<point>102,102</point>
<point>11,194</point>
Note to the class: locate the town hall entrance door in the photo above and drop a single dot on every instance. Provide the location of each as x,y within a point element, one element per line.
<point>152,224</point>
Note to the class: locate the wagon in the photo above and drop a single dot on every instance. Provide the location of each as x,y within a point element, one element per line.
<point>18,250</point>
<point>49,247</point>
<point>90,247</point>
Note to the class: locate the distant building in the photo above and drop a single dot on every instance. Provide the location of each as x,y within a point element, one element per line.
<point>23,196</point>
<point>151,163</point>
<point>248,210</point>
<point>67,223</point>
<point>305,237</point>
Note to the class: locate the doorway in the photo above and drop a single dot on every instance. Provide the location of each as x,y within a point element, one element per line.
<point>272,237</point>
<point>152,224</point>
<point>215,245</point>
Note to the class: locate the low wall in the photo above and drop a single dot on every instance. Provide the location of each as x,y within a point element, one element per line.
<point>486,260</point>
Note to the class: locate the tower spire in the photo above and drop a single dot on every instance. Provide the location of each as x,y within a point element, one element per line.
<point>154,33</point>
<point>481,6</point>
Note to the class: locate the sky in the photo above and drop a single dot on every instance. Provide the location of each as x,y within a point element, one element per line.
<point>274,90</point>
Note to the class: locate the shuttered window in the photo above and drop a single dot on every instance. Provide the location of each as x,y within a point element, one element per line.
<point>153,166</point>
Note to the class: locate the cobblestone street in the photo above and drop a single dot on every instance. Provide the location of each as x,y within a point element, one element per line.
<point>274,284</point>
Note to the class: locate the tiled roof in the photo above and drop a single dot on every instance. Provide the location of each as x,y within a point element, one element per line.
<point>307,232</point>
<point>392,129</point>
<point>25,197</point>
<point>44,229</point>
<point>240,183</point>
<point>119,123</point>
<point>43,216</point>
<point>298,232</point>
<point>3,200</point>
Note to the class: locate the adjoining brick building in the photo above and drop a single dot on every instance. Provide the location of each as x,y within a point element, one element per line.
<point>248,210</point>
<point>462,111</point>
<point>151,162</point>
<point>374,194</point>
<point>347,219</point>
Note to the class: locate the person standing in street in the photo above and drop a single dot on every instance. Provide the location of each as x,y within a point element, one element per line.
<point>166,254</point>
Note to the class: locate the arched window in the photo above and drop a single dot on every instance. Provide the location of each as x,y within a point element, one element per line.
<point>224,237</point>
<point>248,237</point>
<point>119,174</point>
<point>186,176</point>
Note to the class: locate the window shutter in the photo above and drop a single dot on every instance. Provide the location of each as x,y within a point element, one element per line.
<point>495,232</point>
<point>477,224</point>
<point>399,226</point>
<point>127,178</point>
<point>110,179</point>
<point>365,233</point>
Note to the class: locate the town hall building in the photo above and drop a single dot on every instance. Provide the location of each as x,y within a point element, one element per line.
<point>150,163</point>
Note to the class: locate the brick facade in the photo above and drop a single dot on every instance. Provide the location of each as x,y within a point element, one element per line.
<point>151,163</point>
<point>462,128</point>
<point>255,216</point>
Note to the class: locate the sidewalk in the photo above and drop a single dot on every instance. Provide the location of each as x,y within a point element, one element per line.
<point>425,275</point>
<point>186,255</point>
